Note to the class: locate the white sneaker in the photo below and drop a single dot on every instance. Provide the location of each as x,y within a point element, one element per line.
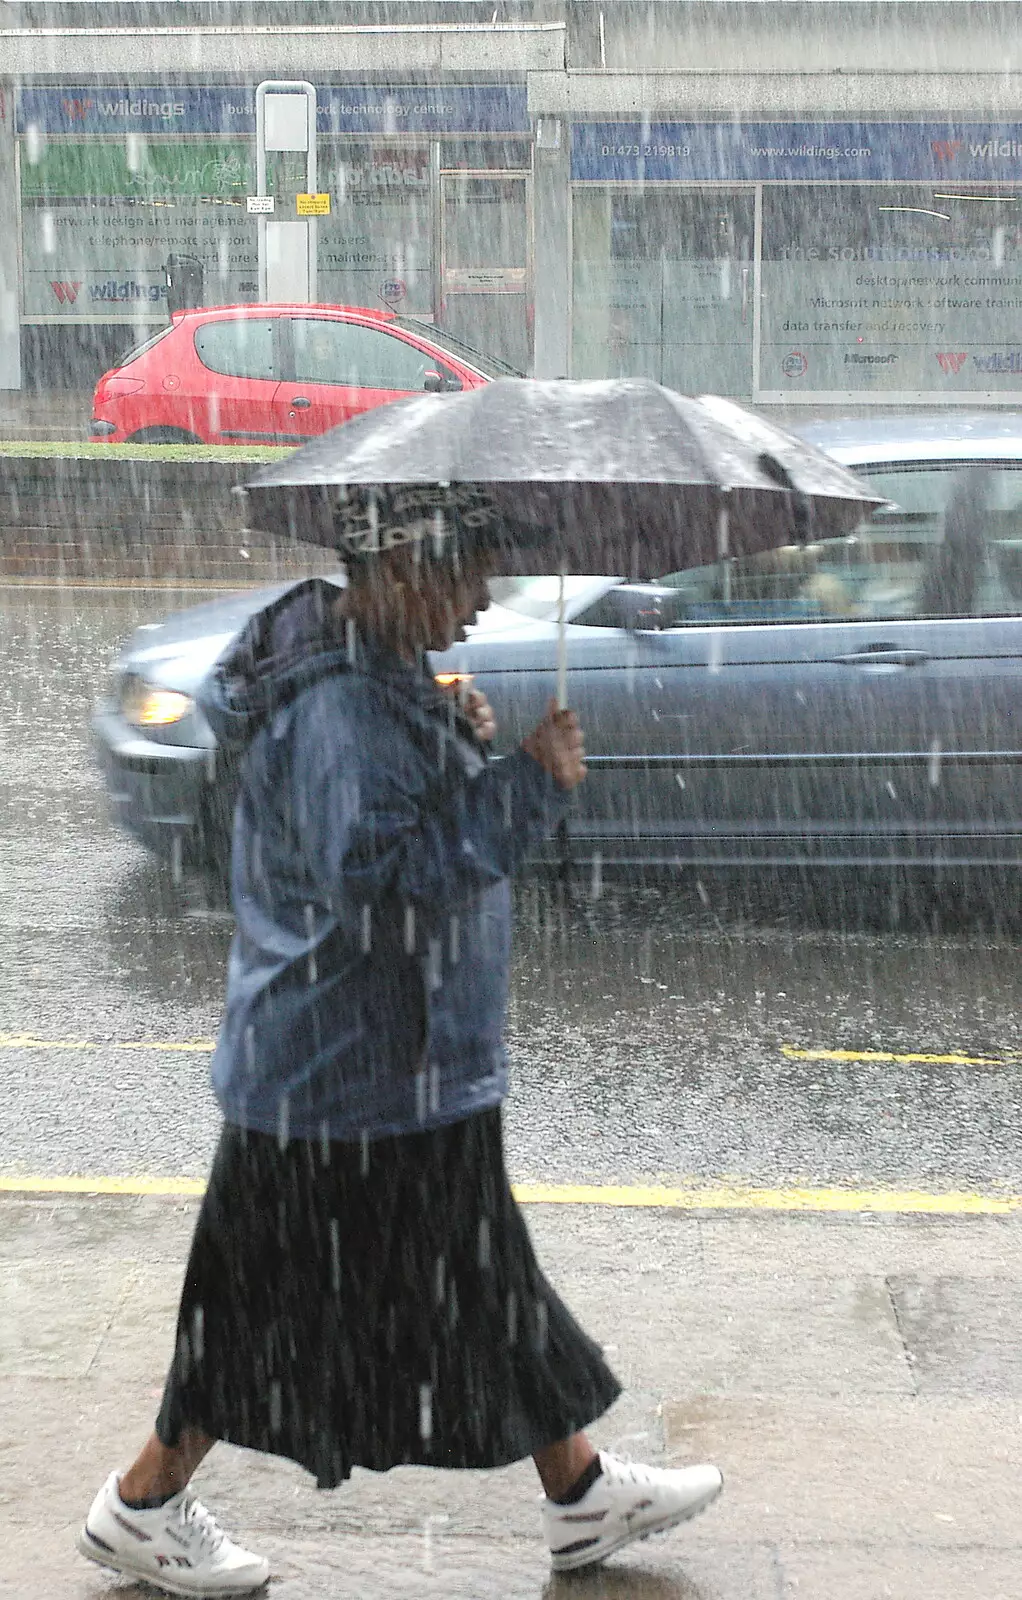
<point>178,1547</point>
<point>628,1501</point>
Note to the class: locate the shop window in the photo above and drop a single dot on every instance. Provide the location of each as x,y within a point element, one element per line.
<point>891,289</point>
<point>486,155</point>
<point>240,347</point>
<point>663,287</point>
<point>376,246</point>
<point>328,351</point>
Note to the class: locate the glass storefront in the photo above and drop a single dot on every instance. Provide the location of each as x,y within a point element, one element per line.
<point>663,287</point>
<point>376,246</point>
<point>792,288</point>
<point>877,289</point>
<point>425,223</point>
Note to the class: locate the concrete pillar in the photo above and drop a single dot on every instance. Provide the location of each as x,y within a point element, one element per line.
<point>593,286</point>
<point>551,201</point>
<point>10,306</point>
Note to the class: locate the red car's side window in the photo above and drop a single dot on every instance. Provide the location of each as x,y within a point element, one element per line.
<point>239,347</point>
<point>331,351</point>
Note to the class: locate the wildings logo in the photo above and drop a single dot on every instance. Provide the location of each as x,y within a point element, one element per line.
<point>951,361</point>
<point>945,149</point>
<point>79,110</point>
<point>67,293</point>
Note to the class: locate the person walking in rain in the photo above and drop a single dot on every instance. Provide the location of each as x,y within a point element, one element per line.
<point>361,1289</point>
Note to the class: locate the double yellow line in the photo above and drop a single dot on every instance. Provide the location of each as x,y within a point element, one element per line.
<point>28,1041</point>
<point>909,1058</point>
<point>701,1198</point>
<point>693,1197</point>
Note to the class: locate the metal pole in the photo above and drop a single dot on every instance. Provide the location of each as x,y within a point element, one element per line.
<point>562,645</point>
<point>287,86</point>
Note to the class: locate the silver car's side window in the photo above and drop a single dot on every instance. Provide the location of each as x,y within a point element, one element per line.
<point>949,544</point>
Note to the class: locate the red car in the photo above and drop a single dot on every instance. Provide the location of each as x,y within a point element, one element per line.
<point>275,374</point>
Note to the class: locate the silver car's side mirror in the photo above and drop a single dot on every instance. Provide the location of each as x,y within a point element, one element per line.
<point>646,607</point>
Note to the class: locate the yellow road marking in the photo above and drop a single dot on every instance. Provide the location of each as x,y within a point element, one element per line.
<point>27,1041</point>
<point>723,1197</point>
<point>103,1185</point>
<point>911,1058</point>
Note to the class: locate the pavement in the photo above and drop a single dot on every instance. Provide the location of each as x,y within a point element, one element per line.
<point>857,1377</point>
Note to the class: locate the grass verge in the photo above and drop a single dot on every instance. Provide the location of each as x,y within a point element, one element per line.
<point>87,450</point>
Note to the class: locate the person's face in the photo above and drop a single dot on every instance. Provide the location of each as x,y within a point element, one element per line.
<point>440,601</point>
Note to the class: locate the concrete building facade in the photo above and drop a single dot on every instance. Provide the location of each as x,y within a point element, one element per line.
<point>809,202</point>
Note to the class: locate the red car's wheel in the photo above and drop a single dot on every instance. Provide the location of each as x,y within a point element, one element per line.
<point>163,436</point>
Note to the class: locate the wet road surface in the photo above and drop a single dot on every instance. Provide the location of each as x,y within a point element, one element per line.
<point>667,1030</point>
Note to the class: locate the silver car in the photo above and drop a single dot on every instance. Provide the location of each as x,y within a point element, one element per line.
<point>854,702</point>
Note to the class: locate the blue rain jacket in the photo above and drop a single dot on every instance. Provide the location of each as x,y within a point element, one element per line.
<point>373,843</point>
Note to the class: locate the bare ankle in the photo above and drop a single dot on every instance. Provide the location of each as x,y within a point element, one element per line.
<point>161,1471</point>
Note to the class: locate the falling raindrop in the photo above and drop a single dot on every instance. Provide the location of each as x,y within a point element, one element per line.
<point>409,930</point>
<point>367,929</point>
<point>425,1412</point>
<point>335,1255</point>
<point>34,144</point>
<point>312,965</point>
<point>484,1242</point>
<point>198,1337</point>
<point>435,964</point>
<point>596,881</point>
<point>47,232</point>
<point>935,763</point>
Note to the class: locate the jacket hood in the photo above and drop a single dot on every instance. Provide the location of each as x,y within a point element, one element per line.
<point>288,645</point>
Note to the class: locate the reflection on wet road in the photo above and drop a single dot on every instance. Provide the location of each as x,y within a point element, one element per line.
<point>669,1030</point>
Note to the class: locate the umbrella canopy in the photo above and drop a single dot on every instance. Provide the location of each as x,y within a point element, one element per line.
<point>619,476</point>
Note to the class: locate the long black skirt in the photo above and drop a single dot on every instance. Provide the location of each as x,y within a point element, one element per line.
<point>374,1304</point>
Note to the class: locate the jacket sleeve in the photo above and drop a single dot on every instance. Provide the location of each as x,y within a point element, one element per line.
<point>378,822</point>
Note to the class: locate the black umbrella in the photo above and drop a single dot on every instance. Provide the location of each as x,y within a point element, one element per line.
<point>618,476</point>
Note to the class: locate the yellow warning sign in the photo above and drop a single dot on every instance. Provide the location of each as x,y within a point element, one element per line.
<point>313,205</point>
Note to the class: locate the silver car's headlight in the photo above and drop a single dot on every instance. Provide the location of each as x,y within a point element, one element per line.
<point>146,705</point>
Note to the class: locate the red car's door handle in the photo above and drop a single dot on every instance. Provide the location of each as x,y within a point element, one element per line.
<point>882,655</point>
<point>300,403</point>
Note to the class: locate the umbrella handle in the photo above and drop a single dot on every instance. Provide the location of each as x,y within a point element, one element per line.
<point>562,646</point>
